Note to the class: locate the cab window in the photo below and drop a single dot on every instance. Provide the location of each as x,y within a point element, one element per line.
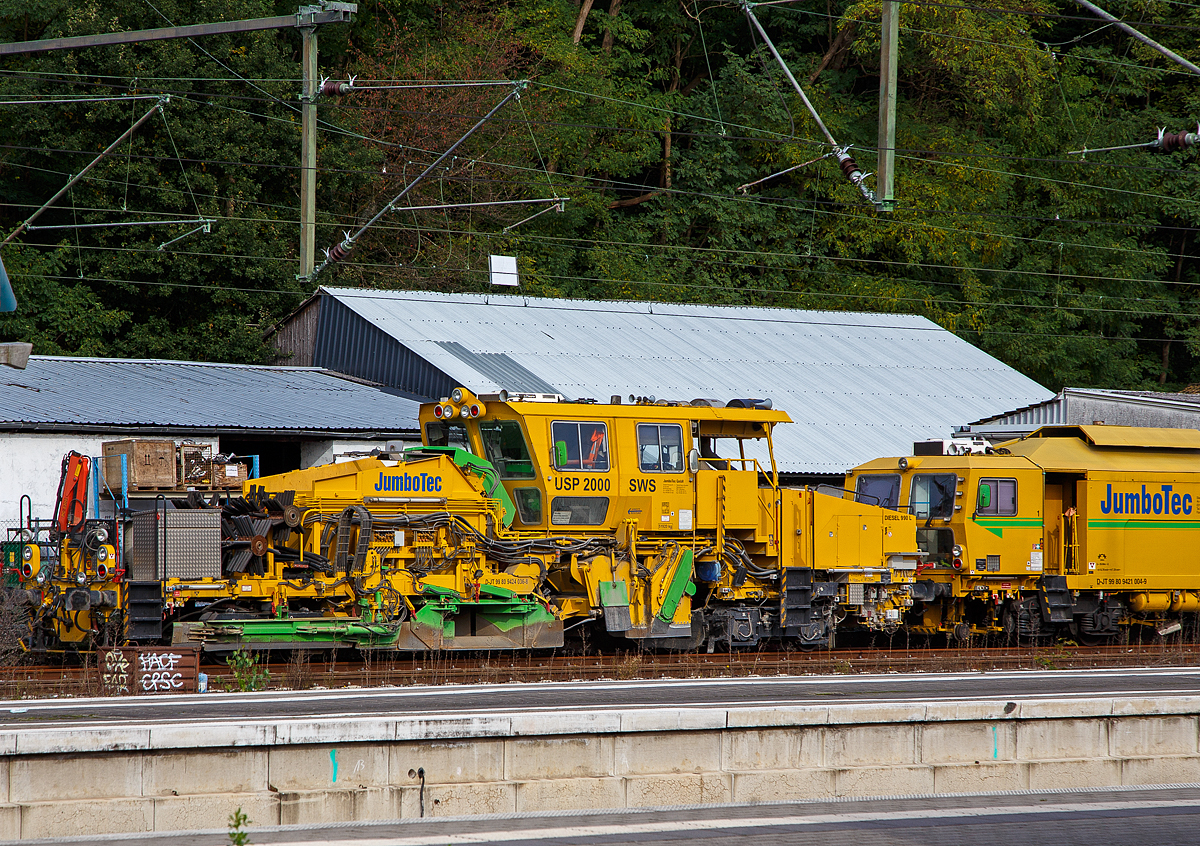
<point>937,544</point>
<point>443,434</point>
<point>932,496</point>
<point>578,510</point>
<point>878,489</point>
<point>997,497</point>
<point>529,505</point>
<point>660,448</point>
<point>580,446</point>
<point>504,445</point>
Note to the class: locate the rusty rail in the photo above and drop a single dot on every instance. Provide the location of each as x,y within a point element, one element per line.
<point>305,671</point>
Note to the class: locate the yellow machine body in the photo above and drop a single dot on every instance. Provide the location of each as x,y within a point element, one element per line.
<point>1096,522</point>
<point>517,520</point>
<point>667,479</point>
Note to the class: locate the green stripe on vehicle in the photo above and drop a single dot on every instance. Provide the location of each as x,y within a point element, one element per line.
<point>1143,524</point>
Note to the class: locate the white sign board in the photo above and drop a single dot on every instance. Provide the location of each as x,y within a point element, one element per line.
<point>503,270</point>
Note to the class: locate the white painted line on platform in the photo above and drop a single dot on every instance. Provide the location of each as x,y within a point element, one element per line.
<point>409,715</point>
<point>639,685</point>
<point>624,830</point>
<point>140,703</point>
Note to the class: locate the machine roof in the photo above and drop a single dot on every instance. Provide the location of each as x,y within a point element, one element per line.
<point>857,385</point>
<point>88,393</point>
<point>1146,437</point>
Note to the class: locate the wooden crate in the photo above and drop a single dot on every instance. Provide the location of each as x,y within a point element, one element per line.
<point>151,463</point>
<point>229,475</point>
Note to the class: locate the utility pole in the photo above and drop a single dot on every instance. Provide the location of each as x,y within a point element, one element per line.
<point>889,50</point>
<point>308,147</point>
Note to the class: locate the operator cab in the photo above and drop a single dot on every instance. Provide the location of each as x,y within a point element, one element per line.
<point>593,466</point>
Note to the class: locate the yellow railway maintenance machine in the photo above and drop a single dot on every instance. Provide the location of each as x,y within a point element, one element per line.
<point>520,518</point>
<point>1088,529</point>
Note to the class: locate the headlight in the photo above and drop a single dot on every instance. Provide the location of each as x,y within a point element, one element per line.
<point>465,412</point>
<point>457,395</point>
<point>41,577</point>
<point>102,555</point>
<point>81,578</point>
<point>27,553</point>
<point>957,550</point>
<point>101,534</point>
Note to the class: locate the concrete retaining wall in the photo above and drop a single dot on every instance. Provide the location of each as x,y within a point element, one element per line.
<point>59,782</point>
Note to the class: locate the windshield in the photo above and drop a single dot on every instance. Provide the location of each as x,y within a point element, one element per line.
<point>504,446</point>
<point>882,490</point>
<point>443,434</point>
<point>932,496</point>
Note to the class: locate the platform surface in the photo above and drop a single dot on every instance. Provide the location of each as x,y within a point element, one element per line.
<point>1156,816</point>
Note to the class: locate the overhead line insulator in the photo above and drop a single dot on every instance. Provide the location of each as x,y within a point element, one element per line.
<point>1169,142</point>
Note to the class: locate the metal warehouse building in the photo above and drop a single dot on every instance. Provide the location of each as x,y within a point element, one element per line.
<point>1085,406</point>
<point>291,417</point>
<point>858,386</point>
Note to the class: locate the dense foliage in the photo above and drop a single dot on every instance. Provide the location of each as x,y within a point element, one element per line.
<point>648,115</point>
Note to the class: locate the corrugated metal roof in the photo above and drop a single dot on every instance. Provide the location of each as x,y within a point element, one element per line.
<point>1078,406</point>
<point>1056,408</point>
<point>94,392</point>
<point>857,385</point>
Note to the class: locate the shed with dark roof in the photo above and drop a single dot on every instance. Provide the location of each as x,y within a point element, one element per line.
<point>291,417</point>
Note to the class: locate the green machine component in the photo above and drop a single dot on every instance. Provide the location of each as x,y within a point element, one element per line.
<point>10,557</point>
<point>497,610</point>
<point>614,598</point>
<point>681,583</point>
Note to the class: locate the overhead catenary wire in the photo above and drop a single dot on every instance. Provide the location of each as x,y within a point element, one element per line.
<point>766,133</point>
<point>71,101</point>
<point>915,224</point>
<point>341,250</point>
<point>591,310</point>
<point>984,233</point>
<point>1058,291</point>
<point>997,234</point>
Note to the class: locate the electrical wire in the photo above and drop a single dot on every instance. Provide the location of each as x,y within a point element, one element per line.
<point>710,254</point>
<point>590,309</point>
<point>942,300</point>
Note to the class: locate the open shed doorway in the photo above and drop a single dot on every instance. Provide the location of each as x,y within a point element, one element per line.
<point>275,455</point>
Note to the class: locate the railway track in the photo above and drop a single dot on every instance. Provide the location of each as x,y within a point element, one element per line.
<point>303,672</point>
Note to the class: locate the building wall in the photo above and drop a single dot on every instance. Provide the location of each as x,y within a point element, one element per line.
<point>313,453</point>
<point>295,339</point>
<point>31,463</point>
<point>1084,410</point>
<point>346,343</point>
<point>1076,408</point>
